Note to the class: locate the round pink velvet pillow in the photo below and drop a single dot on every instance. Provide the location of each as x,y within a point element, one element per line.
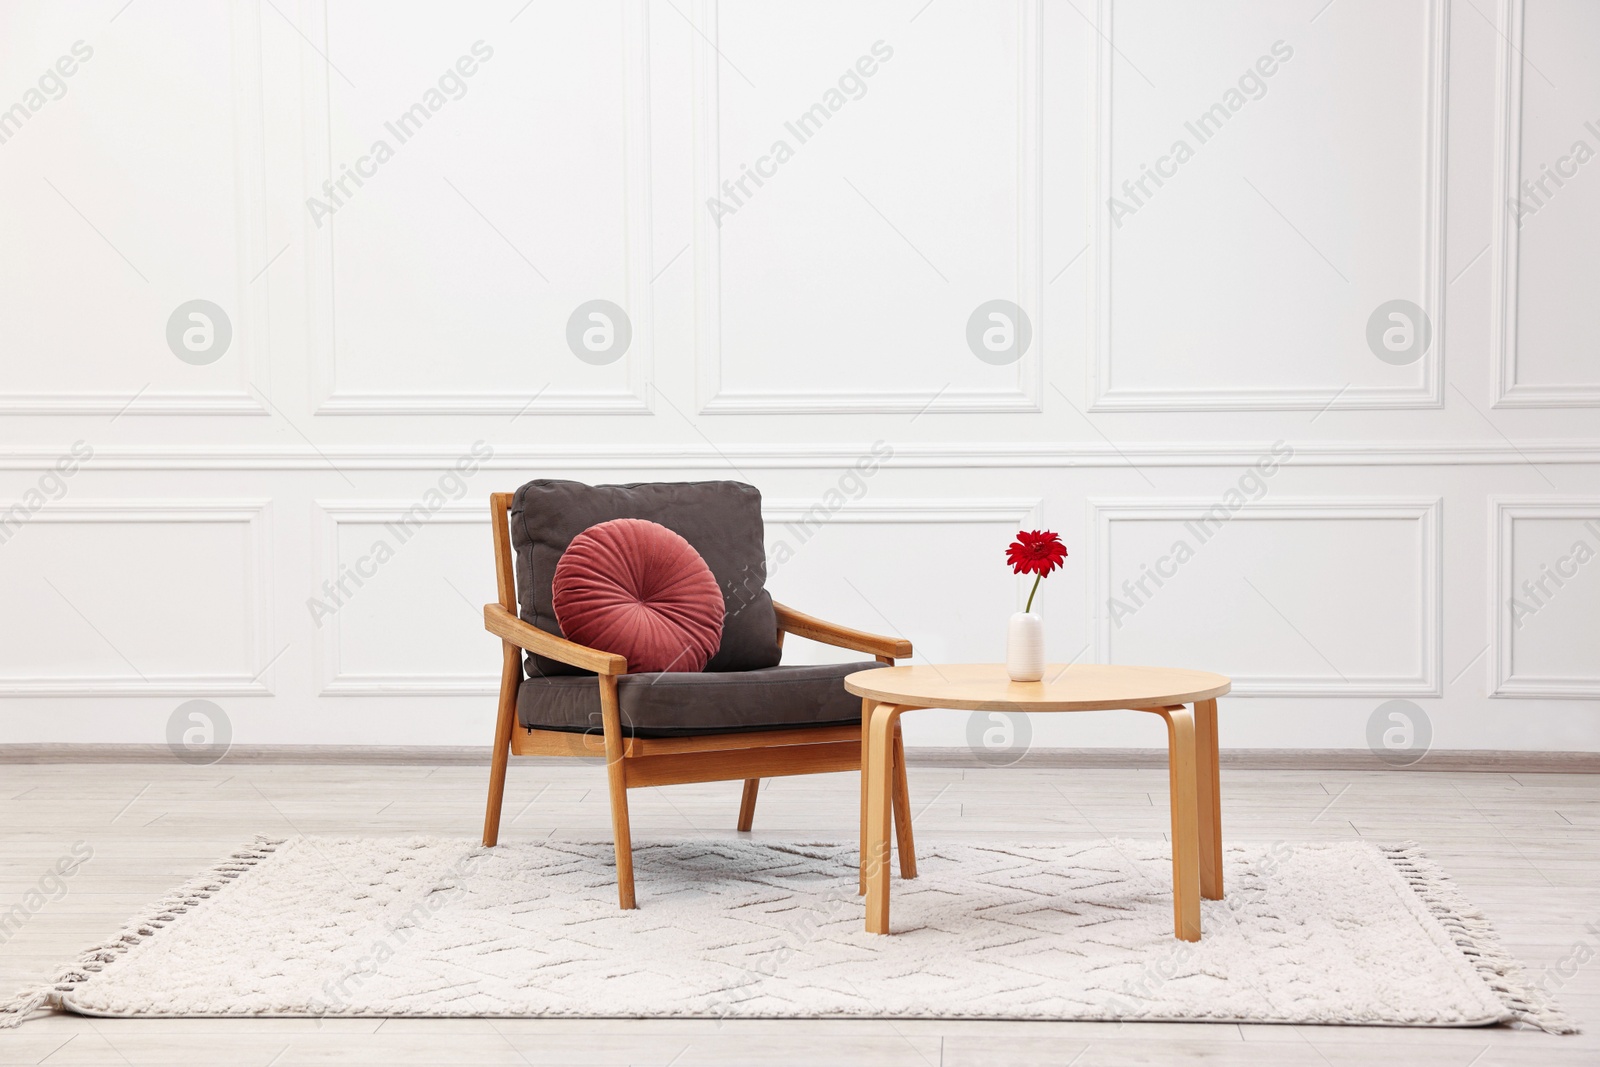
<point>639,590</point>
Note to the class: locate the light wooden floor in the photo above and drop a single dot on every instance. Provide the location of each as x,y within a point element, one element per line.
<point>1522,846</point>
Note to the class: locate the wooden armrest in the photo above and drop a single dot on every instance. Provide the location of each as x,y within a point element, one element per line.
<point>500,622</point>
<point>829,633</point>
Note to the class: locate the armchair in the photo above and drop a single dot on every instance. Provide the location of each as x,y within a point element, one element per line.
<point>669,729</point>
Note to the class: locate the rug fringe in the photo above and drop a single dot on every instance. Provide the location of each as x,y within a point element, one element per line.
<point>140,928</point>
<point>1474,935</point>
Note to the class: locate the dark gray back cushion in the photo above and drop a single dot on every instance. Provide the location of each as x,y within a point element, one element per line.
<point>722,520</point>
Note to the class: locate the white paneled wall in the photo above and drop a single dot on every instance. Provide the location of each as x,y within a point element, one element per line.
<point>1270,118</point>
<point>406,213</point>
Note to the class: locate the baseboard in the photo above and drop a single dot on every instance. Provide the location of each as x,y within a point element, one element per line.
<point>1261,759</point>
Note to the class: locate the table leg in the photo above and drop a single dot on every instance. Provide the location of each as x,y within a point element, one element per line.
<point>880,774</point>
<point>867,705</point>
<point>1210,798</point>
<point>1185,823</point>
<point>903,838</point>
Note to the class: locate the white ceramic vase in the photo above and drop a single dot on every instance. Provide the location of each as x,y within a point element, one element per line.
<point>1025,647</point>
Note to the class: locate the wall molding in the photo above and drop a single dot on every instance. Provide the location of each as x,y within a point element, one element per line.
<point>332,679</point>
<point>146,403</point>
<point>1503,515</point>
<point>249,310</point>
<point>1430,394</point>
<point>327,396</point>
<point>910,510</point>
<point>1505,390</point>
<point>533,458</point>
<point>255,515</point>
<point>1104,513</point>
<point>713,398</point>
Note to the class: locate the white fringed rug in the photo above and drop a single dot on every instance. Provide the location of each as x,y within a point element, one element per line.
<point>1309,933</point>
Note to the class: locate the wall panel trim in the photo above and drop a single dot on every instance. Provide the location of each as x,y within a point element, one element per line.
<point>1105,397</point>
<point>1504,513</point>
<point>329,399</point>
<point>249,310</point>
<point>256,516</point>
<point>332,679</point>
<point>1104,513</point>
<point>533,459</point>
<point>1505,390</point>
<point>714,399</point>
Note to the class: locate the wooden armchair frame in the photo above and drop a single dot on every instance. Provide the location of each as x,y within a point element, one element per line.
<point>636,762</point>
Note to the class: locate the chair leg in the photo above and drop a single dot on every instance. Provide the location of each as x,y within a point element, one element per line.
<point>622,835</point>
<point>902,809</point>
<point>505,722</point>
<point>616,773</point>
<point>747,804</point>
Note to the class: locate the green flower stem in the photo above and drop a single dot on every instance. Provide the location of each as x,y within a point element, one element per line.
<point>1036,580</point>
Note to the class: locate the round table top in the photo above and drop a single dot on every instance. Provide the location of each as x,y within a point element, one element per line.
<point>1065,687</point>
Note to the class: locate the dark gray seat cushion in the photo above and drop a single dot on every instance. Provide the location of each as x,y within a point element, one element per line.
<point>685,705</point>
<point>722,520</point>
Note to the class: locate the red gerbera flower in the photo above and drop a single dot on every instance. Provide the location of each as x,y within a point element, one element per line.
<point>1036,552</point>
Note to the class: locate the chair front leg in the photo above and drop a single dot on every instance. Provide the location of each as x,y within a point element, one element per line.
<point>616,773</point>
<point>505,722</point>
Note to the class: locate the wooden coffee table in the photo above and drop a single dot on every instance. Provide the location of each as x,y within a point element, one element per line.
<point>889,692</point>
